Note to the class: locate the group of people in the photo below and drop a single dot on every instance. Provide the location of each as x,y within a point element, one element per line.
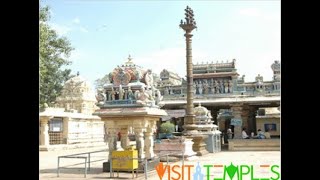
<point>260,134</point>
<point>244,135</point>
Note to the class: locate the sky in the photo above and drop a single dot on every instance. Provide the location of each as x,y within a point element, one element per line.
<point>105,32</point>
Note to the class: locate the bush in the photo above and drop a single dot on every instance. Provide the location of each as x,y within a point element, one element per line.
<point>167,128</point>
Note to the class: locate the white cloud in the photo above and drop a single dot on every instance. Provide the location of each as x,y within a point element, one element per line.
<point>76,20</point>
<point>60,29</point>
<point>272,17</point>
<point>83,29</point>
<point>76,55</point>
<point>250,12</point>
<point>172,59</point>
<point>103,27</point>
<point>264,15</point>
<point>257,63</point>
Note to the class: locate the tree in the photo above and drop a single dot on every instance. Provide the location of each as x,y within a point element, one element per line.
<point>53,54</point>
<point>100,82</point>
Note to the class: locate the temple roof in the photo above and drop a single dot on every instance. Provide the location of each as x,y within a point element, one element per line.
<point>77,88</point>
<point>214,66</point>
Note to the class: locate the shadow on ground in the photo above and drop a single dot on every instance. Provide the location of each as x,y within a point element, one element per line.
<point>72,171</point>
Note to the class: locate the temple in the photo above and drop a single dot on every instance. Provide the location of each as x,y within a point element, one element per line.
<point>218,87</point>
<point>130,104</point>
<point>70,124</point>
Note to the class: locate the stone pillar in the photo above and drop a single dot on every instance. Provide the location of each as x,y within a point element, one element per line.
<point>44,128</point>
<point>236,112</point>
<point>140,142</point>
<point>244,116</point>
<point>65,130</point>
<point>222,123</point>
<point>214,114</point>
<point>125,142</point>
<point>234,84</point>
<point>112,140</point>
<point>149,143</point>
<point>252,118</point>
<point>199,145</point>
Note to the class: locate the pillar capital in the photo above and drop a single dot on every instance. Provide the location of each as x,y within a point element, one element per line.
<point>45,119</point>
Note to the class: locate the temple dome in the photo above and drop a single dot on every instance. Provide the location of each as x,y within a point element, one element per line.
<point>77,81</point>
<point>200,110</point>
<point>77,94</point>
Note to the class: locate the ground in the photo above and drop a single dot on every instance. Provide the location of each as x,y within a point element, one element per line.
<point>248,161</point>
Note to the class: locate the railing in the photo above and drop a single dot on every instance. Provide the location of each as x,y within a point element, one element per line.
<point>87,159</point>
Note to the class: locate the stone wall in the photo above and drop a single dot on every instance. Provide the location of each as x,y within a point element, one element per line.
<point>254,145</point>
<point>269,120</point>
<point>85,131</point>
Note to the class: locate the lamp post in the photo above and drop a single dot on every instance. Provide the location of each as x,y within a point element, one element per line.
<point>188,25</point>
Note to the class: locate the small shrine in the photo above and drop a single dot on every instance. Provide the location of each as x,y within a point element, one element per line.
<point>70,124</point>
<point>204,133</point>
<point>130,103</point>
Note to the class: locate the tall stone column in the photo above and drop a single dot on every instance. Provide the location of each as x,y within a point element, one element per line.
<point>112,140</point>
<point>44,129</point>
<point>188,25</point>
<point>252,118</point>
<point>125,142</point>
<point>245,118</point>
<point>189,117</point>
<point>65,130</point>
<point>236,112</point>
<point>140,142</point>
<point>149,143</point>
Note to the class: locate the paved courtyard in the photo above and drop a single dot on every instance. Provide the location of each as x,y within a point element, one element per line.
<point>255,163</point>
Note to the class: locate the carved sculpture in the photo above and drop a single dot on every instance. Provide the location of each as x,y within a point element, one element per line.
<point>149,78</point>
<point>144,97</point>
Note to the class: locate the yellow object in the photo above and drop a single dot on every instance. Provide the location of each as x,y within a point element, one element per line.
<point>125,160</point>
<point>131,148</point>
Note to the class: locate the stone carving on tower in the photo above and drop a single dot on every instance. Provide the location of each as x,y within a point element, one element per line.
<point>130,84</point>
<point>259,82</point>
<point>276,70</point>
<point>121,77</point>
<point>131,104</point>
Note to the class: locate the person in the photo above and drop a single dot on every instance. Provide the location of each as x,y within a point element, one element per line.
<point>244,134</point>
<point>260,134</point>
<point>229,132</point>
<point>267,134</point>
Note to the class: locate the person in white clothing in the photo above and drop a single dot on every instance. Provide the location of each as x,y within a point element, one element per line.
<point>244,134</point>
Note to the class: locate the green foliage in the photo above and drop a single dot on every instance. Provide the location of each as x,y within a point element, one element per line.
<point>167,127</point>
<point>53,54</point>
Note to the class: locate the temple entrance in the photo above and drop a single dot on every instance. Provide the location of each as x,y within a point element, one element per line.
<point>227,124</point>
